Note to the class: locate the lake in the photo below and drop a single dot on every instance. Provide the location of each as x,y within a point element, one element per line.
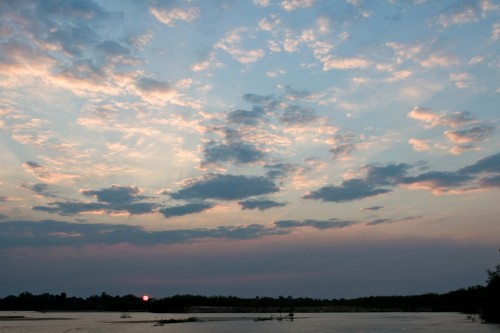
<point>100,322</point>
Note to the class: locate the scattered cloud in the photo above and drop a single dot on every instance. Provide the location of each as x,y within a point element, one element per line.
<point>231,44</point>
<point>295,115</point>
<point>292,5</point>
<point>56,233</point>
<point>169,16</point>
<point>239,152</point>
<point>495,32</point>
<point>461,80</point>
<point>464,139</point>
<point>419,144</point>
<point>225,187</point>
<point>333,223</point>
<point>468,135</point>
<point>372,208</point>
<point>389,174</point>
<point>186,209</point>
<point>386,221</point>
<point>40,189</point>
<point>46,174</point>
<point>488,164</point>
<point>261,204</point>
<point>379,221</point>
<point>113,200</point>
<point>246,117</point>
<point>381,179</point>
<point>115,194</point>
<point>262,3</point>
<point>345,143</point>
<point>280,170</point>
<point>155,91</point>
<point>462,13</point>
<point>437,181</point>
<point>331,62</point>
<point>352,189</point>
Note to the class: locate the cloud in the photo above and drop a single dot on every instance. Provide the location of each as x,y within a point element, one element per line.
<point>260,204</point>
<point>19,59</point>
<point>438,181</point>
<point>269,102</point>
<point>53,39</point>
<point>115,194</point>
<point>190,208</point>
<point>419,145</point>
<point>292,5</point>
<point>40,188</point>
<point>73,208</point>
<point>269,23</point>
<point>56,233</point>
<point>493,181</point>
<point>462,138</point>
<point>169,16</point>
<point>280,170</point>
<point>389,174</point>
<point>349,190</point>
<point>239,152</point>
<point>461,80</point>
<point>480,175</point>
<point>431,118</point>
<point>231,44</point>
<point>462,13</point>
<point>32,165</point>
<point>343,144</point>
<point>225,187</point>
<point>113,200</point>
<point>495,32</point>
<point>380,179</point>
<point>386,221</point>
<point>438,60</point>
<point>84,76</point>
<point>47,174</point>
<point>262,3</point>
<point>379,221</point>
<point>488,164</point>
<point>333,223</point>
<point>295,115</point>
<point>372,208</point>
<point>246,117</point>
<point>330,63</point>
<point>112,49</point>
<point>469,135</point>
<point>154,91</point>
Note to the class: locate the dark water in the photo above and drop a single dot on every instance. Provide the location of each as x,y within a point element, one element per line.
<point>237,323</point>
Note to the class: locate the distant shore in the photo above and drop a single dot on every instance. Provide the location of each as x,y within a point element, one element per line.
<point>473,300</point>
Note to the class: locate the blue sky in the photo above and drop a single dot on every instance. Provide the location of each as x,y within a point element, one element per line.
<point>297,147</point>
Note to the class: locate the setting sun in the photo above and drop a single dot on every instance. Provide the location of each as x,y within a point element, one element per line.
<point>145,298</point>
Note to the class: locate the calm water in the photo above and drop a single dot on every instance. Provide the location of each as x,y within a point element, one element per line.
<point>240,323</point>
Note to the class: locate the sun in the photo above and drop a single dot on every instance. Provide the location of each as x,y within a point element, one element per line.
<point>145,298</point>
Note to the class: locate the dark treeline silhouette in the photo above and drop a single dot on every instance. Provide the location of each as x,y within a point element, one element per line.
<point>478,299</point>
<point>483,300</point>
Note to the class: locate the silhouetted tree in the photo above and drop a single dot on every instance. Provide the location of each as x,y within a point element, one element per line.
<point>491,307</point>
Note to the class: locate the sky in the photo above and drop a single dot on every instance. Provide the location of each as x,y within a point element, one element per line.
<point>304,148</point>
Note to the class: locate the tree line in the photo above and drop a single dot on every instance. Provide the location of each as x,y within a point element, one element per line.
<point>483,300</point>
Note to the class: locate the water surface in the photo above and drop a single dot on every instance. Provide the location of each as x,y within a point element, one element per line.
<point>97,322</point>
